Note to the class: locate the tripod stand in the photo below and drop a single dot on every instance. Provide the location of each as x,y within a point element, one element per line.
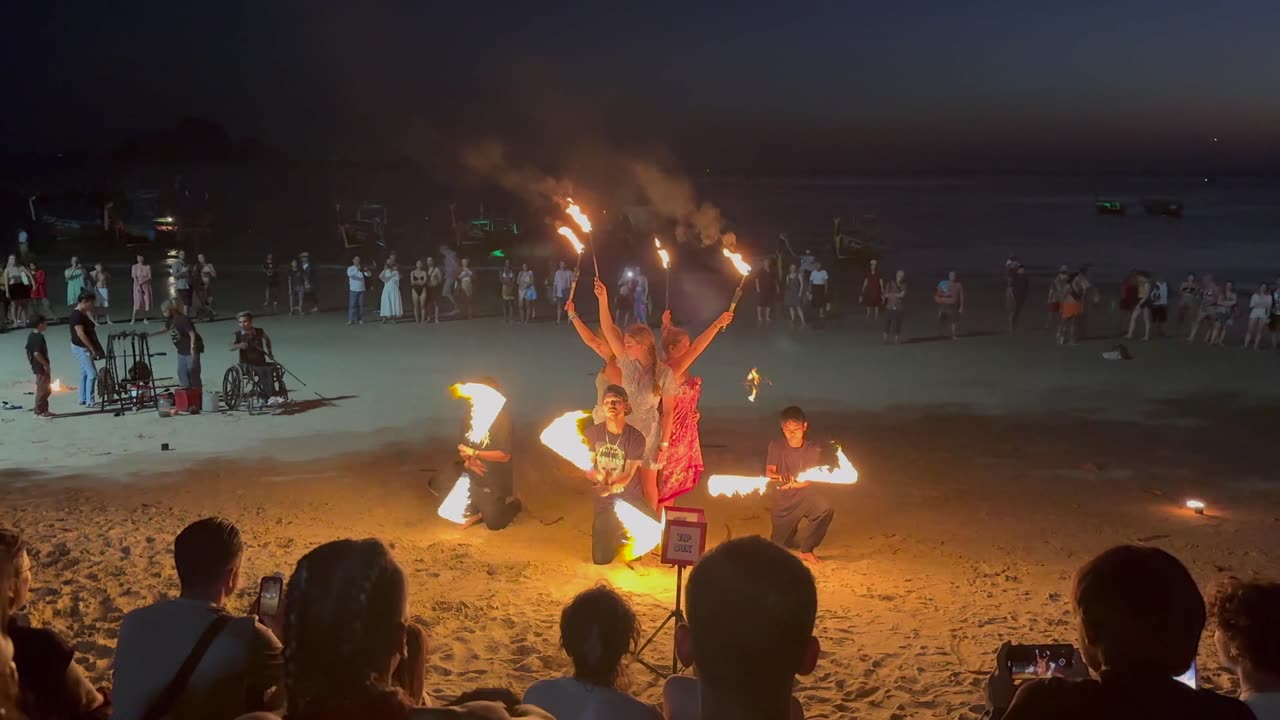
<point>676,614</point>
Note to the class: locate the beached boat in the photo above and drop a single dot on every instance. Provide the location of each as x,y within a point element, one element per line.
<point>1110,207</point>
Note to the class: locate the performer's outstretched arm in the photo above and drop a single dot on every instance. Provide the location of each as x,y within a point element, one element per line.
<point>607,328</point>
<point>701,343</point>
<point>590,339</point>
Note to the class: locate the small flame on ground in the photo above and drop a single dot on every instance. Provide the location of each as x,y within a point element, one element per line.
<point>726,485</point>
<point>577,244</point>
<point>1197,505</point>
<point>486,403</point>
<point>753,384</point>
<point>738,263</point>
<point>56,386</point>
<point>662,253</point>
<point>842,473</point>
<point>564,437</point>
<point>643,532</point>
<point>578,216</point>
<point>454,507</point>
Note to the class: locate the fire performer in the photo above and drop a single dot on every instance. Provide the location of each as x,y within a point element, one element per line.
<point>683,467</point>
<point>618,452</point>
<point>647,382</point>
<point>488,463</point>
<point>794,501</point>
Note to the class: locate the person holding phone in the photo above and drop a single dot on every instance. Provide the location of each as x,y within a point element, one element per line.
<point>488,464</point>
<point>1140,619</point>
<point>793,501</point>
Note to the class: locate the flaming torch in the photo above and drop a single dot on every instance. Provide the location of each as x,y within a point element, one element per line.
<point>564,437</point>
<point>584,224</point>
<point>579,247</point>
<point>842,473</point>
<point>754,380</point>
<point>486,403</point>
<point>665,257</point>
<point>742,267</point>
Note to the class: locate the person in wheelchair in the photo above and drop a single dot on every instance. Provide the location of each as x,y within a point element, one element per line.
<point>257,357</point>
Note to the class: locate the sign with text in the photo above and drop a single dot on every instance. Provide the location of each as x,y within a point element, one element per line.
<point>694,515</point>
<point>683,542</point>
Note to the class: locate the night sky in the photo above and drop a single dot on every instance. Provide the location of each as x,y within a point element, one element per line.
<point>754,85</point>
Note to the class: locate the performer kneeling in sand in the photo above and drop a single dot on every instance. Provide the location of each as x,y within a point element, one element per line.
<point>489,465</point>
<point>794,501</point>
<point>618,450</point>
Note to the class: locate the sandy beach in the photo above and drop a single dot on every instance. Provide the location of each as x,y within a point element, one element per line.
<point>991,468</point>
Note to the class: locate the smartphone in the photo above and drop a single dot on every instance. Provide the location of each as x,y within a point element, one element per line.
<point>269,592</point>
<point>1027,662</point>
<point>1188,678</point>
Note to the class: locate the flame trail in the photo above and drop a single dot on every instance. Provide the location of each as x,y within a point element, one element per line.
<point>564,437</point>
<point>578,216</point>
<point>753,384</point>
<point>577,244</point>
<point>486,403</point>
<point>454,507</point>
<point>842,473</point>
<point>662,254</point>
<point>738,263</point>
<point>643,532</point>
<point>727,485</point>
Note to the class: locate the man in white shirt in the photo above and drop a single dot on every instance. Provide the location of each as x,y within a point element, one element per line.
<point>818,279</point>
<point>563,281</point>
<point>356,276</point>
<point>240,667</point>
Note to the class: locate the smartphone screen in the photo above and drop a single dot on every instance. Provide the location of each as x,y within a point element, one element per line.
<point>269,595</point>
<point>1188,678</point>
<point>1040,661</point>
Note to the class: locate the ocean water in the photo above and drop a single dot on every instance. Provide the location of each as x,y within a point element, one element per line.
<point>973,224</point>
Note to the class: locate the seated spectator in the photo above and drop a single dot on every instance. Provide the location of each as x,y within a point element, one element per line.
<point>751,611</point>
<point>52,684</point>
<point>681,699</point>
<point>346,629</point>
<point>598,631</point>
<point>8,669</point>
<point>1248,618</point>
<point>237,660</point>
<point>1140,618</point>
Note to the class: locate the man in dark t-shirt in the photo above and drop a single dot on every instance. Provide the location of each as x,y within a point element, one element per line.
<point>489,465</point>
<point>84,343</point>
<point>255,348</point>
<point>186,341</point>
<point>617,450</point>
<point>793,501</point>
<point>38,357</point>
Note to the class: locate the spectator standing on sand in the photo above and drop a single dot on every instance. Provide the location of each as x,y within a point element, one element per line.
<point>466,287</point>
<point>1208,309</point>
<point>751,613</point>
<point>819,290</point>
<point>435,284</point>
<point>295,286</point>
<point>38,357</point>
<point>1273,324</point>
<point>50,683</point>
<point>1142,286</point>
<point>392,306</point>
<point>1058,288</point>
<point>310,286</point>
<point>1224,314</point>
<point>141,275</point>
<point>766,294</point>
<point>1140,618</point>
<point>598,631</point>
<point>180,274</point>
<point>872,293</point>
<point>528,293</point>
<point>207,275</point>
<point>186,342</point>
<point>419,294</point>
<point>625,305</point>
<point>84,344</point>
<point>40,291</point>
<point>17,284</point>
<point>640,292</point>
<point>1019,289</point>
<point>452,269</point>
<point>271,281</point>
<point>1260,305</point>
<point>1247,616</point>
<point>949,297</point>
<point>895,295</point>
<point>241,662</point>
<point>100,279</point>
<point>507,281</point>
<point>793,294</point>
<point>357,276</point>
<point>77,278</point>
<point>562,282</point>
<point>1188,298</point>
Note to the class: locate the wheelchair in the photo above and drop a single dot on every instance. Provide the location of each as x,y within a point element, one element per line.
<point>241,386</point>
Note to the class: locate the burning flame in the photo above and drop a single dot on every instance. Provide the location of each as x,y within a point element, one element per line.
<point>662,253</point>
<point>486,403</point>
<point>643,532</point>
<point>56,386</point>
<point>564,437</point>
<point>578,216</point>
<point>843,473</point>
<point>753,384</point>
<point>454,507</point>
<point>577,244</point>
<point>738,263</point>
<point>726,485</point>
<point>1196,505</point>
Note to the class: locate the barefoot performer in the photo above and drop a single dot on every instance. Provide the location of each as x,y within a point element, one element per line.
<point>647,383</point>
<point>794,501</point>
<point>618,452</point>
<point>683,466</point>
<point>487,461</point>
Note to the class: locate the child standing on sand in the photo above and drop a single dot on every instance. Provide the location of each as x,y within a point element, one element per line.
<point>100,278</point>
<point>792,501</point>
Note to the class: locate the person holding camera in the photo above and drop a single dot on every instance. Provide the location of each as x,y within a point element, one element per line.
<point>792,501</point>
<point>1140,619</point>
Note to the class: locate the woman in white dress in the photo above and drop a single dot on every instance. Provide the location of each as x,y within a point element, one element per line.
<point>392,306</point>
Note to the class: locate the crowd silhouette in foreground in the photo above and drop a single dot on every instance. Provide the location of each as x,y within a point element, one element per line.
<point>339,644</point>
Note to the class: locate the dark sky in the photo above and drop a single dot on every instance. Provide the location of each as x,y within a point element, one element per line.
<point>830,85</point>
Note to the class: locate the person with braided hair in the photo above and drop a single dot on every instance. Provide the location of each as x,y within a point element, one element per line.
<point>598,631</point>
<point>346,626</point>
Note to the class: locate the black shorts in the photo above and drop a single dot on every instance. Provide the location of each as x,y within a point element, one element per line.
<point>1159,313</point>
<point>1274,323</point>
<point>819,293</point>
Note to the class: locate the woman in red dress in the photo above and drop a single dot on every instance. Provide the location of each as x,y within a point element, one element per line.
<point>682,466</point>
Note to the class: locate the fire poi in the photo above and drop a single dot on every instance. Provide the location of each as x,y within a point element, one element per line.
<point>577,266</point>
<point>486,403</point>
<point>754,380</point>
<point>564,437</point>
<point>842,473</point>
<point>454,507</point>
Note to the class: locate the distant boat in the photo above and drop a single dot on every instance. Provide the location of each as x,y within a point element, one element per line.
<point>1110,207</point>
<point>1165,207</point>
